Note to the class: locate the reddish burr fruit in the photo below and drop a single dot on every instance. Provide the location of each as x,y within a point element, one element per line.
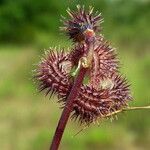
<point>92,104</point>
<point>81,24</point>
<point>105,61</point>
<point>53,73</point>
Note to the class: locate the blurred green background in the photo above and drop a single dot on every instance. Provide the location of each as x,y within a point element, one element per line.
<point>27,118</point>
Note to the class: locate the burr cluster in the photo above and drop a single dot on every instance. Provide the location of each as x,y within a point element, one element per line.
<point>104,90</point>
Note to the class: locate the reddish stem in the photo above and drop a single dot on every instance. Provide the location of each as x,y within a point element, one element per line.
<point>67,109</point>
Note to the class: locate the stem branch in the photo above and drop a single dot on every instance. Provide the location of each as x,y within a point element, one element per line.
<point>69,103</point>
<point>128,109</point>
<point>67,110</point>
<point>116,112</point>
<point>68,107</point>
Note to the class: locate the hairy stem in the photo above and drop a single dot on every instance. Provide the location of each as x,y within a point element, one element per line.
<point>68,107</point>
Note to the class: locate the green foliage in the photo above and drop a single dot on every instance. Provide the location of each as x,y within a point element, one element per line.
<point>21,20</point>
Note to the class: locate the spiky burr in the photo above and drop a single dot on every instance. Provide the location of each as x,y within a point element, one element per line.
<point>53,73</point>
<point>79,22</point>
<point>92,104</point>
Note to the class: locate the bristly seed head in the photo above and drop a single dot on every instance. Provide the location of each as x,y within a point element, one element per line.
<point>92,104</point>
<point>53,73</point>
<point>82,25</point>
<point>105,90</point>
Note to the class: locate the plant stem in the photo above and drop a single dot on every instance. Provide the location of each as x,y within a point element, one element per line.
<point>136,108</point>
<point>116,112</point>
<point>69,103</point>
<point>128,109</point>
<point>67,109</point>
